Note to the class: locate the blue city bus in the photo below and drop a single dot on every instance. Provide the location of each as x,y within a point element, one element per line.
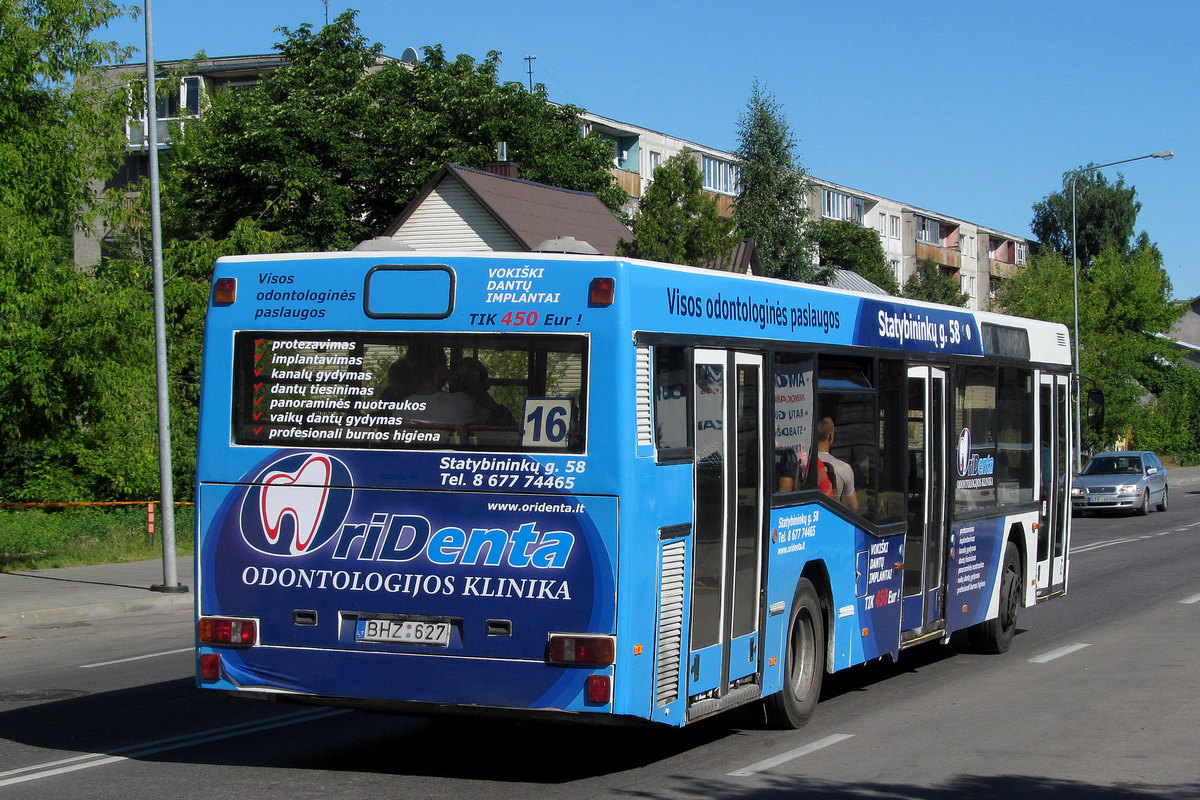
<point>599,489</point>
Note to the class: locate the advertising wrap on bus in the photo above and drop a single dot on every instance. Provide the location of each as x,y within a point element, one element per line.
<point>404,572</point>
<point>603,489</point>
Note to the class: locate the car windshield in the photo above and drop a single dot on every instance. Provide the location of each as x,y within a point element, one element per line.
<point>1113,465</point>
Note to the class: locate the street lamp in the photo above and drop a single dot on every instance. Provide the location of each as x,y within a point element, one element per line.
<point>1165,155</point>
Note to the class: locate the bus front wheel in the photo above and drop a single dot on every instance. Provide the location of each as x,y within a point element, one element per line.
<point>996,635</point>
<point>804,662</point>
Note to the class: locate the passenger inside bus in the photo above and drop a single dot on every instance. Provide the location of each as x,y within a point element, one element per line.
<point>792,467</point>
<point>471,378</point>
<point>429,402</point>
<point>841,473</point>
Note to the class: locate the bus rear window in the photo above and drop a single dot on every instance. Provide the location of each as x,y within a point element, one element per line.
<point>406,391</point>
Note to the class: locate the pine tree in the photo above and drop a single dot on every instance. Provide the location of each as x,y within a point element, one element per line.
<point>771,207</point>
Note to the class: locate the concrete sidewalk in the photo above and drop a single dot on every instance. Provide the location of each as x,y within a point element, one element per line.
<point>74,594</point>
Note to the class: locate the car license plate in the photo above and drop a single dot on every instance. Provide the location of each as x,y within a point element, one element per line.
<point>1102,498</point>
<point>403,631</point>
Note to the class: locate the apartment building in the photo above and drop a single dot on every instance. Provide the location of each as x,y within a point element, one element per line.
<point>978,257</point>
<point>182,88</point>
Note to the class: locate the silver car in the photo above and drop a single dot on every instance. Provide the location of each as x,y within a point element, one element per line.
<point>1128,479</point>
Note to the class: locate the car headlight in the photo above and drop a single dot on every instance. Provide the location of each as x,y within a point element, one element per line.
<point>1075,490</point>
<point>1129,488</point>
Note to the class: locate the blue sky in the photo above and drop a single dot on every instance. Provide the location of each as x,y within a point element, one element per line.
<point>971,109</point>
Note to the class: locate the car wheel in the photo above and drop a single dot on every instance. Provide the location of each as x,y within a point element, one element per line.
<point>1162,504</point>
<point>1144,508</point>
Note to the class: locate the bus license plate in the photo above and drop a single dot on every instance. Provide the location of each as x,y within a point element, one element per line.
<point>406,631</point>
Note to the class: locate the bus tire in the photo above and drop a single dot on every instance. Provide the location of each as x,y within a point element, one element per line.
<point>996,635</point>
<point>804,662</point>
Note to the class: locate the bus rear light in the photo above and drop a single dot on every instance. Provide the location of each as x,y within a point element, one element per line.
<point>225,291</point>
<point>582,651</point>
<point>602,291</point>
<point>599,689</point>
<point>228,631</point>
<point>210,666</point>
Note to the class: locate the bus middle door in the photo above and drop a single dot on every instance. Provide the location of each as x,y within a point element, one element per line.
<point>724,652</point>
<point>924,543</point>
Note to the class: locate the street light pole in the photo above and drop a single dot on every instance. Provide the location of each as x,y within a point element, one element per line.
<point>1165,155</point>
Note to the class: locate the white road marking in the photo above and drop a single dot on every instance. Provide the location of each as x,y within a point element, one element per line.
<point>1058,653</point>
<point>89,760</point>
<point>1189,600</point>
<point>138,658</point>
<point>782,758</point>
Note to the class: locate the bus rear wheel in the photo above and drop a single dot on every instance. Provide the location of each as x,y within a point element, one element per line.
<point>804,662</point>
<point>996,635</point>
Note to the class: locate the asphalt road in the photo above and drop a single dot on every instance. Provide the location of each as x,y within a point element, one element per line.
<point>1098,698</point>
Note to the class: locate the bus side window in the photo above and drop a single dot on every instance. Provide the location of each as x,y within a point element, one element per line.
<point>672,398</point>
<point>792,379</point>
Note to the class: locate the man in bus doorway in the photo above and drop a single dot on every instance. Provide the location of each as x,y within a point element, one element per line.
<point>841,473</point>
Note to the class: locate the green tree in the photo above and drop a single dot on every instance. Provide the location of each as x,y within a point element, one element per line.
<point>1105,215</point>
<point>675,221</point>
<point>1123,307</point>
<point>330,147</point>
<point>771,207</point>
<point>930,284</point>
<point>68,343</point>
<point>846,245</point>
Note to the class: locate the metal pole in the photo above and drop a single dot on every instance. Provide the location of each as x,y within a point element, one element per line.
<point>170,578</point>
<point>529,61</point>
<point>1165,155</point>
<point>1075,284</point>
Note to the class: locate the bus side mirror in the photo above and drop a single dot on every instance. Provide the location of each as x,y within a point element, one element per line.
<point>1095,409</point>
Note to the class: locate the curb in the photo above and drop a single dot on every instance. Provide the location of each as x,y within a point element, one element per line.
<point>102,610</point>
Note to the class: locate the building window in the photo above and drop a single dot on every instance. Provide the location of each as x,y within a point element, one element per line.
<point>1021,254</point>
<point>653,161</point>
<point>929,230</point>
<point>895,226</point>
<point>173,106</point>
<point>882,224</point>
<point>720,176</point>
<point>967,246</point>
<point>841,206</point>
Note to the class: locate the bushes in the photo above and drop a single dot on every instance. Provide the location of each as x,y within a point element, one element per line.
<point>68,535</point>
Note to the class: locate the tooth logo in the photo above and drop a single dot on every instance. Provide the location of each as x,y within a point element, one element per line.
<point>297,504</point>
<point>964,451</point>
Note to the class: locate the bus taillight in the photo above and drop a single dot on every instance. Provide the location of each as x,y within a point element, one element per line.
<point>581,650</point>
<point>210,666</point>
<point>228,631</point>
<point>602,291</point>
<point>225,291</point>
<point>599,689</point>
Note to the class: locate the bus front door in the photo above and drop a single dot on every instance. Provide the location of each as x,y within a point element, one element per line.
<point>1053,438</point>
<point>723,658</point>
<point>924,542</point>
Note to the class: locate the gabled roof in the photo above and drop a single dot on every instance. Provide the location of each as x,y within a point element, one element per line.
<point>531,212</point>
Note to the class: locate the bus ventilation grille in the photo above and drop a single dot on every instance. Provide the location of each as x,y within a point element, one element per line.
<point>670,623</point>
<point>645,431</point>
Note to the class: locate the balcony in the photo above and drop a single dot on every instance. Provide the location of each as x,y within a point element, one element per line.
<point>1002,269</point>
<point>946,257</point>
<point>724,203</point>
<point>138,134</point>
<point>628,180</point>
